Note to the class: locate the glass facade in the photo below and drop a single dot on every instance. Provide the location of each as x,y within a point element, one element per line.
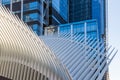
<point>58,12</point>
<point>31,6</point>
<point>79,28</point>
<point>80,10</point>
<point>32,15</point>
<point>33,12</point>
<point>6,2</point>
<point>38,12</point>
<point>61,6</point>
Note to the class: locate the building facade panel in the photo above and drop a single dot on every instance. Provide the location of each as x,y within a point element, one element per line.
<point>79,28</point>
<point>58,12</point>
<point>80,10</point>
<point>32,12</point>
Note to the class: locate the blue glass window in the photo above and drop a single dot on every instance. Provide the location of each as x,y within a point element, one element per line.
<point>65,29</point>
<point>61,6</point>
<point>92,33</point>
<point>79,28</point>
<point>31,17</point>
<point>79,10</point>
<point>6,1</point>
<point>91,26</point>
<point>31,6</point>
<point>35,27</point>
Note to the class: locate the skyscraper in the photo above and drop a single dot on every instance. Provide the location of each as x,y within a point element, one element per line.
<point>80,10</point>
<point>39,13</point>
<point>25,56</point>
<point>84,58</point>
<point>34,12</point>
<point>58,12</point>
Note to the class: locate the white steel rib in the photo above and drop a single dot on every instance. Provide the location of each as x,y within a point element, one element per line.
<point>23,55</point>
<point>85,59</point>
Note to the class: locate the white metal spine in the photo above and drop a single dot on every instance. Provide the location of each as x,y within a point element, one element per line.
<point>84,60</point>
<point>23,55</point>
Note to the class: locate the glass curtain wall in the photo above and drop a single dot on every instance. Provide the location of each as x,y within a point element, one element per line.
<point>89,9</point>
<point>80,10</point>
<point>79,28</point>
<point>31,11</point>
<point>59,12</point>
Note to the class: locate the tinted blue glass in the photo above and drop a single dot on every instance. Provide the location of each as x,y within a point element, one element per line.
<point>30,6</point>
<point>6,1</point>
<point>65,29</point>
<point>35,27</point>
<point>88,9</point>
<point>79,10</point>
<point>31,17</point>
<point>92,33</point>
<point>98,10</point>
<point>79,27</point>
<point>31,12</point>
<point>61,7</point>
<point>103,16</point>
<point>91,26</point>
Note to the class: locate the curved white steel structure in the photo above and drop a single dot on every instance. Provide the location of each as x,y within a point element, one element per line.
<point>23,55</point>
<point>86,58</point>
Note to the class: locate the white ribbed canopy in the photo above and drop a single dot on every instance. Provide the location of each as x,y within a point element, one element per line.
<point>24,54</point>
<point>85,57</point>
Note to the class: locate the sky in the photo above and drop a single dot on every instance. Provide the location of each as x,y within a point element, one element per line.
<point>114,36</point>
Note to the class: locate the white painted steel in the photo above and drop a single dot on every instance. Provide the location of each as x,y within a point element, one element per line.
<point>86,58</point>
<point>23,55</point>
